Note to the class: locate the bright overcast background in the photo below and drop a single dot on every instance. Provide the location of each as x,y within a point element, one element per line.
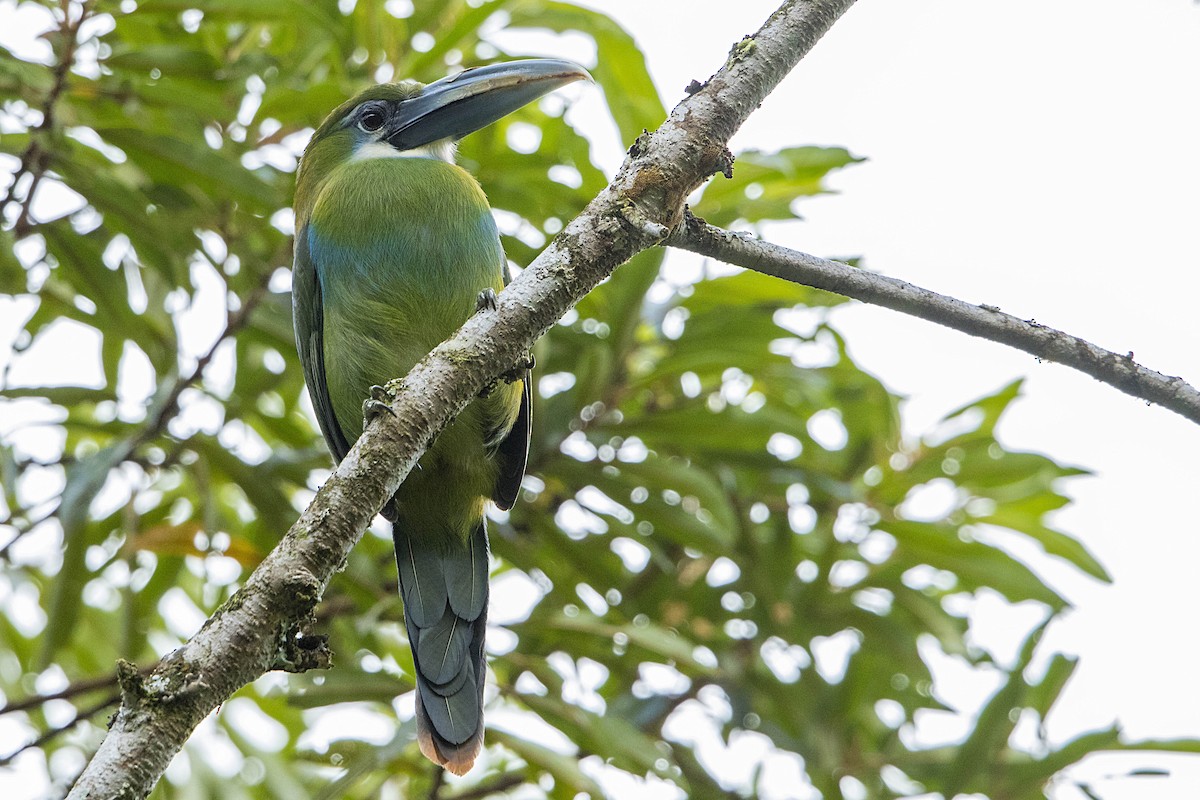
<point>1042,156</point>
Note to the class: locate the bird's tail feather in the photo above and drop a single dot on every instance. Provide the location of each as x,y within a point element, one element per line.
<point>444,584</point>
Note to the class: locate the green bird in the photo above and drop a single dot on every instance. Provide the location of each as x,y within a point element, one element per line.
<point>395,248</point>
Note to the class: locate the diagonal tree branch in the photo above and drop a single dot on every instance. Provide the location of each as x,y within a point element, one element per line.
<point>259,629</point>
<point>987,322</point>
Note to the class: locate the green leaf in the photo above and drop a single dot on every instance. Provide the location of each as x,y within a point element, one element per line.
<point>654,639</point>
<point>620,68</point>
<point>564,768</point>
<point>12,273</point>
<point>83,481</point>
<point>765,186</point>
<point>166,159</point>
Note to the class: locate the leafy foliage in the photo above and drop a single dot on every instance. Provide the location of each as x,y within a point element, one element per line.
<point>724,537</point>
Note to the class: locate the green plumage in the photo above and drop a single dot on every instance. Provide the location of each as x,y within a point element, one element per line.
<point>394,243</point>
<point>406,245</point>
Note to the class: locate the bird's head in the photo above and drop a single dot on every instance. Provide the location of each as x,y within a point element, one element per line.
<point>413,119</point>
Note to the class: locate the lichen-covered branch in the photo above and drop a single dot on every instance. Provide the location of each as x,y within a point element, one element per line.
<point>987,322</point>
<point>261,626</point>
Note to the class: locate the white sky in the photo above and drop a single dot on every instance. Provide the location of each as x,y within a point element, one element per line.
<point>1042,156</point>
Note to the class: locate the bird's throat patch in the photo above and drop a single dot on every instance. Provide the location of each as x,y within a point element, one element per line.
<point>438,151</point>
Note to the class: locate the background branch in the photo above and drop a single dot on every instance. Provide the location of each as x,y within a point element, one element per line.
<point>169,406</point>
<point>36,155</point>
<point>988,322</point>
<point>53,733</point>
<point>77,688</point>
<point>161,413</point>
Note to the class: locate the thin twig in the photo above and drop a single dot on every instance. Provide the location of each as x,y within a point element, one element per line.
<point>487,788</point>
<point>36,157</point>
<point>436,783</point>
<point>53,733</point>
<point>74,689</point>
<point>170,404</point>
<point>988,322</point>
<point>22,525</point>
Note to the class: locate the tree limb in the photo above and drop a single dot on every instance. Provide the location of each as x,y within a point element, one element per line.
<point>245,637</point>
<point>987,322</point>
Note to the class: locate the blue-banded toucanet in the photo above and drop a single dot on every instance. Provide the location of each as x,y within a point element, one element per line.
<point>394,246</point>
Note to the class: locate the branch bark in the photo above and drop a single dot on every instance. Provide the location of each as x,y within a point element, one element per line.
<point>988,322</point>
<point>261,627</point>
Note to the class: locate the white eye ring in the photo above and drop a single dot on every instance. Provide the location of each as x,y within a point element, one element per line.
<point>372,120</point>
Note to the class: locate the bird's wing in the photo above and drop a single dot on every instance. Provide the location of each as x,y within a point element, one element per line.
<point>309,317</point>
<point>513,451</point>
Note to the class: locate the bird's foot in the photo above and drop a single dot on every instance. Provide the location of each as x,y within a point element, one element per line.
<point>487,300</point>
<point>378,403</point>
<point>517,373</point>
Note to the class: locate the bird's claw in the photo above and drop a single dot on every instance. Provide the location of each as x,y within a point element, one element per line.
<point>487,300</point>
<point>378,403</point>
<point>517,373</point>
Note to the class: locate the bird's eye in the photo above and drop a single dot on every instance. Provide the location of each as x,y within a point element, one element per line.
<point>372,119</point>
